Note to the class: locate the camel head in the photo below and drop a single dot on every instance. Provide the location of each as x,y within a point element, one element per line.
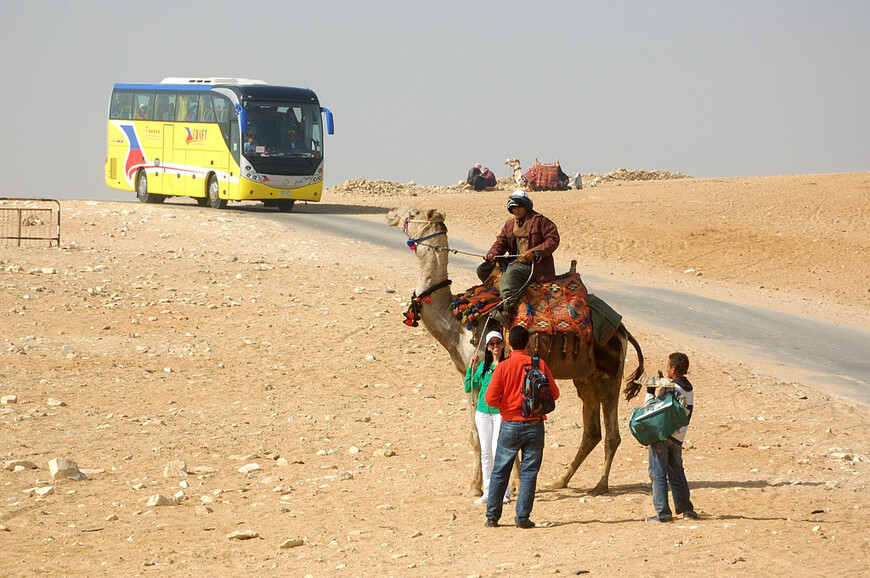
<point>513,163</point>
<point>416,223</point>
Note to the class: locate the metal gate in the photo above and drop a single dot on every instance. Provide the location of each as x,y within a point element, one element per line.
<point>29,222</point>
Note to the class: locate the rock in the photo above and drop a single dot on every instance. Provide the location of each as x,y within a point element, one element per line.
<point>175,469</point>
<point>202,470</point>
<point>55,402</point>
<point>112,518</point>
<point>249,468</point>
<point>9,399</point>
<point>160,500</point>
<point>384,452</point>
<point>12,464</point>
<point>65,468</point>
<point>44,491</point>
<point>202,511</point>
<point>242,535</point>
<point>291,543</point>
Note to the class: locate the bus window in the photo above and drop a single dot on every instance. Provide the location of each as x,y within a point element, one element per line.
<point>186,107</point>
<point>206,110</point>
<point>122,106</point>
<point>165,107</point>
<point>143,109</point>
<point>221,108</point>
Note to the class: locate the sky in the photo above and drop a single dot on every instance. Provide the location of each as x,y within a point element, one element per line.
<point>423,90</point>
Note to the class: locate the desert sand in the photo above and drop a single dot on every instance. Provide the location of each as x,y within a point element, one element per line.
<point>260,379</point>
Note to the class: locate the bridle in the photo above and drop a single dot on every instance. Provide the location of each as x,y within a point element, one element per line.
<point>412,242</point>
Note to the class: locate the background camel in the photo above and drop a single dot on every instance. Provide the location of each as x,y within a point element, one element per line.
<point>597,387</point>
<point>514,164</point>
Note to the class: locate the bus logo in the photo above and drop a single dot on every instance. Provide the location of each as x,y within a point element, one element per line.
<point>195,135</point>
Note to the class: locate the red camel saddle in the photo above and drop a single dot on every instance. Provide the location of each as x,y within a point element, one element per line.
<point>557,306</point>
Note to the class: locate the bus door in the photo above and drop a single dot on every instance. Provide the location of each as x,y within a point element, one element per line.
<point>168,176</point>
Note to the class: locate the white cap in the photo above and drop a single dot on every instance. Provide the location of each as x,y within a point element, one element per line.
<point>491,334</point>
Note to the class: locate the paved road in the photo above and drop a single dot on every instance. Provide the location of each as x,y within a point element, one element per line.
<point>817,351</point>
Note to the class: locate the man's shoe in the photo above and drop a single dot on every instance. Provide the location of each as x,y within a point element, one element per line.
<point>691,514</point>
<point>490,523</point>
<point>501,317</point>
<point>663,519</point>
<point>480,500</point>
<point>525,524</point>
<point>506,500</point>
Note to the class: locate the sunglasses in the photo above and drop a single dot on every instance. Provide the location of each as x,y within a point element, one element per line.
<point>495,342</point>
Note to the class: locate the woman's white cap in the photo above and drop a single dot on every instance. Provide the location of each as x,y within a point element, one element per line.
<point>491,334</point>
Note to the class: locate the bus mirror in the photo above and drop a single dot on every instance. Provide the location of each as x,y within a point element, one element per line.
<point>243,118</point>
<point>330,126</point>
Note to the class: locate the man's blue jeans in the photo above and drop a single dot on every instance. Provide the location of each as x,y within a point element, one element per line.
<point>666,467</point>
<point>515,437</point>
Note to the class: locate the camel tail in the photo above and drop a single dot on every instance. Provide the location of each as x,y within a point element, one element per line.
<point>632,388</point>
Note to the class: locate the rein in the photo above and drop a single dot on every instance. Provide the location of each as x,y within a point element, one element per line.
<point>412,315</point>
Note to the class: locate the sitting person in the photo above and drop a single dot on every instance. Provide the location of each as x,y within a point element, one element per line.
<point>484,180</point>
<point>250,145</point>
<point>528,241</point>
<point>473,174</point>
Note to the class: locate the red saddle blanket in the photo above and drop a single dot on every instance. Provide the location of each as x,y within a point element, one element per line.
<point>544,176</point>
<point>557,306</point>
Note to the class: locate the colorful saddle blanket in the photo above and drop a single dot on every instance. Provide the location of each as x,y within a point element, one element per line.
<point>557,306</point>
<point>544,176</point>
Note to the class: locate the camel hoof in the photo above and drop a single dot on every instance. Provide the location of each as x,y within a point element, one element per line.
<point>559,484</point>
<point>599,490</point>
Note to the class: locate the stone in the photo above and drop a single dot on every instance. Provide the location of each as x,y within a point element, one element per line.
<point>9,399</point>
<point>55,402</point>
<point>291,543</point>
<point>242,535</point>
<point>384,452</point>
<point>112,518</point>
<point>65,468</point>
<point>160,500</point>
<point>249,468</point>
<point>175,469</point>
<point>44,491</point>
<point>203,470</point>
<point>11,465</point>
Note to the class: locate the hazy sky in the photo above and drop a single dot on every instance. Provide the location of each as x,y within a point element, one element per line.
<point>421,91</point>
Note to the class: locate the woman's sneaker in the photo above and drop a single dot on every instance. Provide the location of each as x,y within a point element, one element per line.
<point>480,500</point>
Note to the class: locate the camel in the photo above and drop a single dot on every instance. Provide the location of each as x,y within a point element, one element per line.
<point>599,391</point>
<point>514,164</point>
<point>524,180</point>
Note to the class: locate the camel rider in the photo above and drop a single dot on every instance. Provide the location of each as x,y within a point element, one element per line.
<point>533,238</point>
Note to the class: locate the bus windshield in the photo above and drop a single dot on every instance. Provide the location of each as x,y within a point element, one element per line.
<point>282,130</point>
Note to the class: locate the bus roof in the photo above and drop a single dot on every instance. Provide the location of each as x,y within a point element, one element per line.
<point>257,89</point>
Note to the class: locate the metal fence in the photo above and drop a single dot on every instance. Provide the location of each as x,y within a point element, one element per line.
<point>29,222</point>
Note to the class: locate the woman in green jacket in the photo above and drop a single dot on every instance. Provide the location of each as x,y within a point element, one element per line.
<point>486,417</point>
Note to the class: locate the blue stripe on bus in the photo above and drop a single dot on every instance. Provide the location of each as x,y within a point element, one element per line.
<point>165,87</point>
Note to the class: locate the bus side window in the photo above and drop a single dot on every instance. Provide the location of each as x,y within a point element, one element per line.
<point>122,105</point>
<point>183,109</point>
<point>206,110</point>
<point>143,109</point>
<point>165,107</point>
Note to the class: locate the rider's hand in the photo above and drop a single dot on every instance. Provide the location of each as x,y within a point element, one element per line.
<point>474,359</point>
<point>490,257</point>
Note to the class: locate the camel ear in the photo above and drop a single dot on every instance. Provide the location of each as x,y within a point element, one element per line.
<point>434,215</point>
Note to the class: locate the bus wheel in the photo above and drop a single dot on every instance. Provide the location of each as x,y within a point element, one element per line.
<point>286,205</point>
<point>142,190</point>
<point>202,201</point>
<point>214,199</point>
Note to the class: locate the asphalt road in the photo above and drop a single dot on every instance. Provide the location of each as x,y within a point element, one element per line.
<point>793,347</point>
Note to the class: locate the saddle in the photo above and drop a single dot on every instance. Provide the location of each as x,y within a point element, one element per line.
<point>544,176</point>
<point>550,308</point>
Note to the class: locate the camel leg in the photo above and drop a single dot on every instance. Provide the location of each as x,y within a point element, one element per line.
<point>610,407</point>
<point>591,434</point>
<point>475,488</point>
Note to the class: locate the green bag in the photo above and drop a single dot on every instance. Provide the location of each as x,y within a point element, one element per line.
<point>659,419</point>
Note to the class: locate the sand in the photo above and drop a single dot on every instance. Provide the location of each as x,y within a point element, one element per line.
<point>159,334</point>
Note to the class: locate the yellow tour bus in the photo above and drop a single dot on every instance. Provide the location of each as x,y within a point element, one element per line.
<point>217,140</point>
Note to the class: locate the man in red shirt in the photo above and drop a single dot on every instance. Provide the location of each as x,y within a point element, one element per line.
<point>517,433</point>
